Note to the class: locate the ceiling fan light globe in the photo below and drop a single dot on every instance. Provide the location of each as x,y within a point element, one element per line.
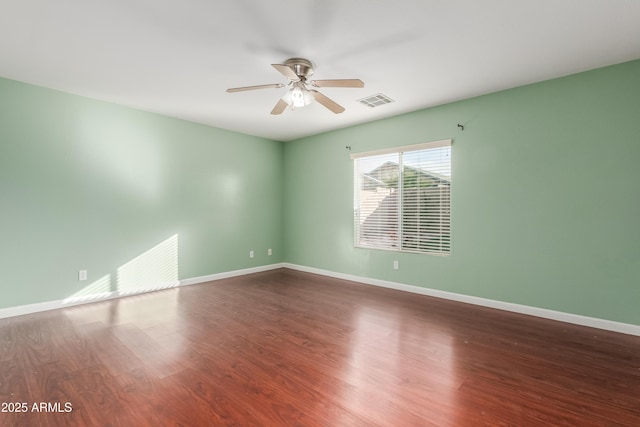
<point>297,97</point>
<point>307,98</point>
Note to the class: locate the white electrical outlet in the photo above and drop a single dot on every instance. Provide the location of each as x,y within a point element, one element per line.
<point>82,275</point>
<point>395,265</point>
<point>251,254</point>
<point>269,252</point>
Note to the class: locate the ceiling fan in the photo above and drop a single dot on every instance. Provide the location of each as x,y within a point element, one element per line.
<point>298,70</point>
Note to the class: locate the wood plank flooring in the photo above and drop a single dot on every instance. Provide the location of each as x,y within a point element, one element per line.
<point>295,349</point>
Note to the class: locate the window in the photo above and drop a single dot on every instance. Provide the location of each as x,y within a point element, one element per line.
<point>402,198</point>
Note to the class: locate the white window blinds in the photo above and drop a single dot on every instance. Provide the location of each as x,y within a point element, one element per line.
<point>402,198</point>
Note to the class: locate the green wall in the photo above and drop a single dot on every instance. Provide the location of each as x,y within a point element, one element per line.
<point>91,185</point>
<point>545,196</point>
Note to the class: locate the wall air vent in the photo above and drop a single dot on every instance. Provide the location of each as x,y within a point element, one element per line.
<point>375,100</point>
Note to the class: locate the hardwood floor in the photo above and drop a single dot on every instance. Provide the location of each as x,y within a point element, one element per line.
<point>290,348</point>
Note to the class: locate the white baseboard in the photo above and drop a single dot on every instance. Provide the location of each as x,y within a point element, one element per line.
<point>104,296</point>
<point>228,274</point>
<point>576,319</point>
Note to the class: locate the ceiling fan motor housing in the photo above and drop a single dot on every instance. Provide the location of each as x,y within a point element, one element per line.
<point>302,67</point>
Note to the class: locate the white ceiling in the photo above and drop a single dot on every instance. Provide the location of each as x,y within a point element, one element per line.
<point>178,57</point>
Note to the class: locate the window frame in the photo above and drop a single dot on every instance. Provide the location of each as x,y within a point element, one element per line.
<point>401,222</point>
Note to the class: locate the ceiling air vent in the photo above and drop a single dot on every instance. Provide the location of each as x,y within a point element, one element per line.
<point>375,100</point>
